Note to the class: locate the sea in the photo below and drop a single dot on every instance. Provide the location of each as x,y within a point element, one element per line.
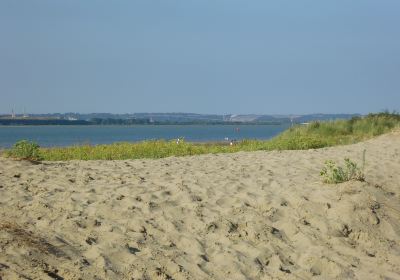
<point>65,135</point>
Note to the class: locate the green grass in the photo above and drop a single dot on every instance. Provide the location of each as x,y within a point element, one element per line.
<point>347,131</point>
<point>301,137</point>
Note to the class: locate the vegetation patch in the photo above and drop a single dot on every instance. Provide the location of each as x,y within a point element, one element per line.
<point>334,174</point>
<point>25,150</point>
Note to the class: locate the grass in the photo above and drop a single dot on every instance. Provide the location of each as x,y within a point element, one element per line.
<point>301,137</point>
<point>347,131</point>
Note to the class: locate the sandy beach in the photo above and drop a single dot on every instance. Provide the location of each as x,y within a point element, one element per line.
<point>248,215</point>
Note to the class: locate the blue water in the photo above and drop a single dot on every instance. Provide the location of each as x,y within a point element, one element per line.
<point>48,136</point>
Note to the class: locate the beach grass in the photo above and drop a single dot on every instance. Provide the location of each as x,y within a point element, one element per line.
<point>299,137</point>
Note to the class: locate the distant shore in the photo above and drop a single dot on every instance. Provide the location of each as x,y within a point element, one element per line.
<point>36,122</point>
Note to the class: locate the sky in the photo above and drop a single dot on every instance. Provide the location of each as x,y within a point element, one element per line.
<point>204,56</point>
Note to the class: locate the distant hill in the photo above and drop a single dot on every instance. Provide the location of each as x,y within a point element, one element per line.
<point>323,117</point>
<point>289,118</point>
<point>164,118</point>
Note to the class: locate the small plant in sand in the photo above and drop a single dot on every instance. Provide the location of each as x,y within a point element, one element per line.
<point>334,174</point>
<point>25,150</point>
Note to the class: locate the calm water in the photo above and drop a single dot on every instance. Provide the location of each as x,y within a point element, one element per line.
<point>70,135</point>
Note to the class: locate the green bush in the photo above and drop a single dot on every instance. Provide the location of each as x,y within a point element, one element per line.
<point>334,174</point>
<point>25,150</point>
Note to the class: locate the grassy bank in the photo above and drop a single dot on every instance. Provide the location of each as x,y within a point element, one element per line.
<point>301,137</point>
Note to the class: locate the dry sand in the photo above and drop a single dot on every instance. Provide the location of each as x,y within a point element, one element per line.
<point>256,215</point>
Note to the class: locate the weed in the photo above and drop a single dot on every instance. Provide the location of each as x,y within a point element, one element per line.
<point>331,173</point>
<point>25,150</point>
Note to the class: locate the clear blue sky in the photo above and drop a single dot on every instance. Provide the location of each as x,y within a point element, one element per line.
<point>204,56</point>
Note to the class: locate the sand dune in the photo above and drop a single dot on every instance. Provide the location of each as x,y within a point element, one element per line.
<point>257,215</point>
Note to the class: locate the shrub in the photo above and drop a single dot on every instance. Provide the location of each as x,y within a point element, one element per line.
<point>334,174</point>
<point>25,150</point>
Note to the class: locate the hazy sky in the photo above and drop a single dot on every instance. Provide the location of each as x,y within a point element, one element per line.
<point>204,56</point>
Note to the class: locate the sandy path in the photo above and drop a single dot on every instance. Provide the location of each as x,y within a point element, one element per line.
<point>257,215</point>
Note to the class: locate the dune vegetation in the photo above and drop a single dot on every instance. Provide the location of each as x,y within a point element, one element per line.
<point>299,137</point>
